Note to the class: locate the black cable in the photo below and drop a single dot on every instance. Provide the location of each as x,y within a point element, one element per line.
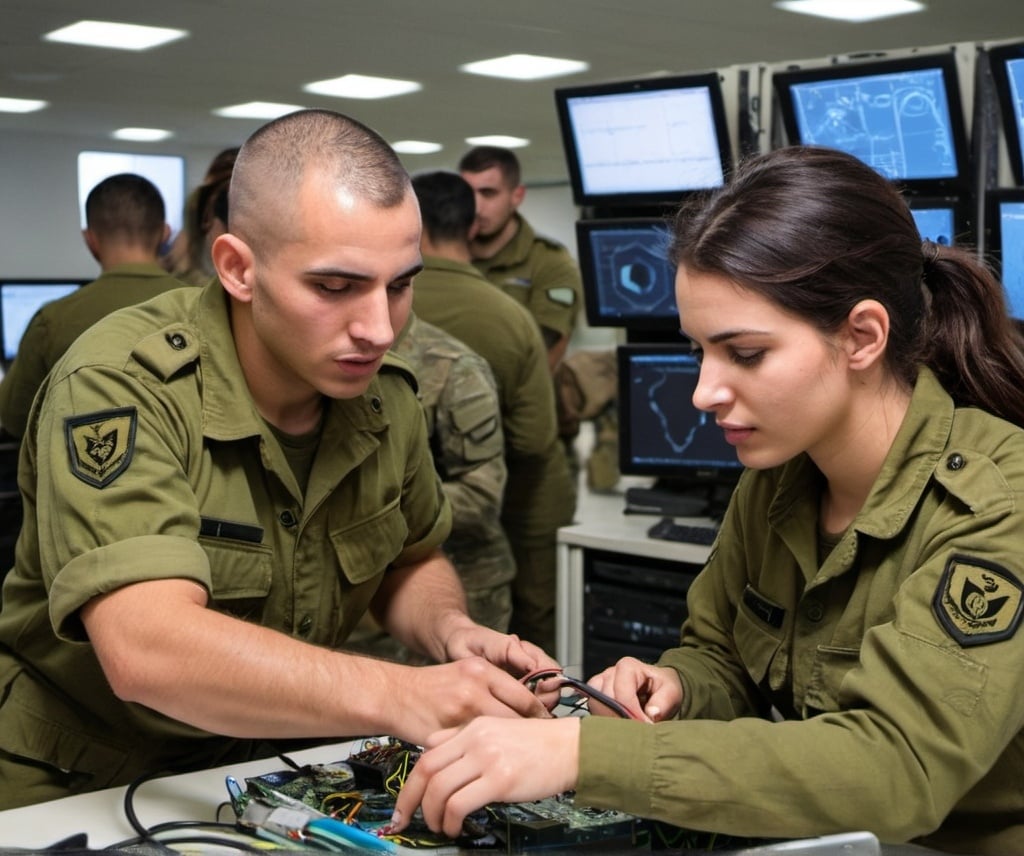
<point>149,834</point>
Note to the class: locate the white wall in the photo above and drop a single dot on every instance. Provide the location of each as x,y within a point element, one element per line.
<point>41,233</point>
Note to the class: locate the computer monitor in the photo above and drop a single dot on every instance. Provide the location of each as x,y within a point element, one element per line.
<point>644,143</point>
<point>627,279</point>
<point>902,116</point>
<point>940,219</point>
<point>1004,218</point>
<point>1007,64</point>
<point>661,432</point>
<point>20,299</point>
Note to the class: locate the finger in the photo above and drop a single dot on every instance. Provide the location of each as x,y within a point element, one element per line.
<point>509,697</point>
<point>444,752</point>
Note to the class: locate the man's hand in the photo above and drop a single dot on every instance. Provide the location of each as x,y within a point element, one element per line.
<point>654,690</point>
<point>431,698</point>
<point>489,760</point>
<point>507,651</point>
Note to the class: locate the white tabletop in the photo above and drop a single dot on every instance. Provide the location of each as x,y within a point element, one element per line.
<point>190,796</point>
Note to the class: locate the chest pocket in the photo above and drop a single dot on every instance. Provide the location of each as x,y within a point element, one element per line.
<point>241,575</point>
<point>365,549</point>
<point>830,668</point>
<point>757,639</point>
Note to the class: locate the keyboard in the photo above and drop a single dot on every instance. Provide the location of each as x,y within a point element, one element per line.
<point>667,529</point>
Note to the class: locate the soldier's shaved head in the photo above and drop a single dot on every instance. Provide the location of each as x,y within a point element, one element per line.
<point>309,145</point>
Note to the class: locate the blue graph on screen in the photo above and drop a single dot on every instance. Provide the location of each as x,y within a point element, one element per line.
<point>633,274</point>
<point>898,123</point>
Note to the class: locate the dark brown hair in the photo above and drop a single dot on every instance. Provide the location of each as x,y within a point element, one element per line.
<point>815,231</point>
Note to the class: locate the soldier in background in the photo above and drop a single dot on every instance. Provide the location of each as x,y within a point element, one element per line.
<point>535,270</point>
<point>460,401</point>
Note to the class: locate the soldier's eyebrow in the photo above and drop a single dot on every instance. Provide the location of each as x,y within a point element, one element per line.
<point>359,276</point>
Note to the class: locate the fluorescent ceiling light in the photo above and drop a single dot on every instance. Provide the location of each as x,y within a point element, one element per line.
<point>256,110</point>
<point>502,140</point>
<point>416,147</point>
<point>107,34</point>
<point>21,105</point>
<point>142,135</point>
<point>362,86</point>
<point>856,11</point>
<point>525,67</point>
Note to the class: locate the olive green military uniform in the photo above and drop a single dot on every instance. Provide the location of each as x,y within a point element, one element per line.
<point>897,662</point>
<point>56,325</point>
<point>539,496</point>
<point>145,459</point>
<point>460,401</point>
<point>539,273</point>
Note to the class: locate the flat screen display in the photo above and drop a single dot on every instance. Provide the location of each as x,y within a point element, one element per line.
<point>661,432</point>
<point>1005,218</point>
<point>1007,64</point>
<point>644,142</point>
<point>20,300</point>
<point>903,117</point>
<point>940,219</point>
<point>627,279</point>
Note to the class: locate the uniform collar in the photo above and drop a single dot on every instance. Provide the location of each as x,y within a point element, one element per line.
<point>445,264</point>
<point>518,249</point>
<point>134,270</point>
<point>229,415</point>
<point>908,466</point>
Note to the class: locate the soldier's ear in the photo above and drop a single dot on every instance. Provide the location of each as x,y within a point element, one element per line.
<point>233,260</point>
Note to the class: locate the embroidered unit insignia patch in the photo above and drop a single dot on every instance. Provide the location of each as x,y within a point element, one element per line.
<point>978,602</point>
<point>100,445</point>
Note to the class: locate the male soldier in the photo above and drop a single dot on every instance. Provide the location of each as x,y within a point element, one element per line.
<point>539,497</point>
<point>218,483</point>
<point>125,226</point>
<point>460,402</point>
<point>536,271</point>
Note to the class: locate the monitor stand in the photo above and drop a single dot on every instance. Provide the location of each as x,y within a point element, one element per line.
<point>676,498</point>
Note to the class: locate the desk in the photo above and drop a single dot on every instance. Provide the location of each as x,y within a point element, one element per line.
<point>603,526</point>
<point>189,796</point>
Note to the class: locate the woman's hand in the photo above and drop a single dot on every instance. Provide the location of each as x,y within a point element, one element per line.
<point>489,760</point>
<point>656,691</point>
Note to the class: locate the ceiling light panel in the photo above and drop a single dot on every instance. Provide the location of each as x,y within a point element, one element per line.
<point>362,86</point>
<point>21,105</point>
<point>856,11</point>
<point>525,67</point>
<point>257,110</point>
<point>109,34</point>
<point>506,142</point>
<point>142,135</point>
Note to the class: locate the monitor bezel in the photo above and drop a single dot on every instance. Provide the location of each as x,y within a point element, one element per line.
<point>683,475</point>
<point>993,232</point>
<point>998,56</point>
<point>584,229</point>
<point>28,280</point>
<point>784,80</point>
<point>963,232</point>
<point>711,80</point>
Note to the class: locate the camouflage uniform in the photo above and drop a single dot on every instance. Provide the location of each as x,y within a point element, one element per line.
<point>460,401</point>
<point>540,495</point>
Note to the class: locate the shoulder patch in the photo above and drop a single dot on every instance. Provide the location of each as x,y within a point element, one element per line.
<point>978,602</point>
<point>101,445</point>
<point>563,295</point>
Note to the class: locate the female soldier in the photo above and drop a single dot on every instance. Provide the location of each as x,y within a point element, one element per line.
<point>852,656</point>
